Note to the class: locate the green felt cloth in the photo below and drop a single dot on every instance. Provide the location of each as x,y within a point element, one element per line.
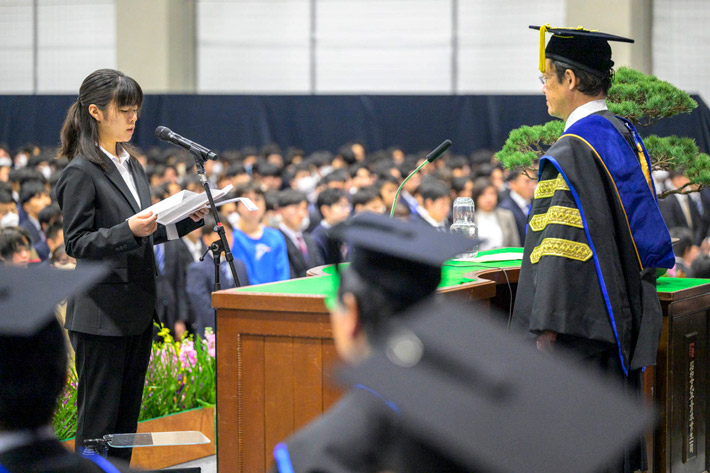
<point>678,284</point>
<point>452,274</point>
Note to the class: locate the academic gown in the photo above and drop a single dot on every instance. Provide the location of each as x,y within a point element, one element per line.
<point>594,237</point>
<point>352,436</point>
<point>50,456</point>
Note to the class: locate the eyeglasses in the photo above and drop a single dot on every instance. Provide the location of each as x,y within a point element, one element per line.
<point>544,80</point>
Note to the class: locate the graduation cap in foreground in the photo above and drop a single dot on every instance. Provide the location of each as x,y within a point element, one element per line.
<point>587,49</point>
<point>405,258</point>
<point>489,401</point>
<point>28,295</point>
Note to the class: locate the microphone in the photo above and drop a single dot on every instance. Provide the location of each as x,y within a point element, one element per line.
<point>166,134</point>
<point>438,151</point>
<point>431,157</point>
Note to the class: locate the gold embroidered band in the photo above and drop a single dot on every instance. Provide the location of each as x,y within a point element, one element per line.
<point>559,247</point>
<point>559,215</point>
<point>547,188</point>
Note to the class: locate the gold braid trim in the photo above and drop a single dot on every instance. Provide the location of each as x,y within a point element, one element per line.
<point>559,247</point>
<point>559,215</point>
<point>548,187</point>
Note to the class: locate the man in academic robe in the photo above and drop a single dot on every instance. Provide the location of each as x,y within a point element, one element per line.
<point>595,233</point>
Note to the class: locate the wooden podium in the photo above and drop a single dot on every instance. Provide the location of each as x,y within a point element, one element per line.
<point>275,348</point>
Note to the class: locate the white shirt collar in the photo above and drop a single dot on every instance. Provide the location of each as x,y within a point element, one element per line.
<point>122,157</point>
<point>195,248</point>
<point>18,438</point>
<point>518,199</point>
<point>584,111</point>
<point>425,215</point>
<point>290,233</point>
<point>34,221</point>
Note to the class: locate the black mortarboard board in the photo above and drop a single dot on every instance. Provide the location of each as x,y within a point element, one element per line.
<point>489,401</point>
<point>587,49</point>
<point>404,258</point>
<point>28,295</point>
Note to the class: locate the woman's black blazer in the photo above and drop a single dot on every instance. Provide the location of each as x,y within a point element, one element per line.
<point>96,204</point>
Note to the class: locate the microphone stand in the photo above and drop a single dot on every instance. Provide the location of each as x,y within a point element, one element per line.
<point>221,245</point>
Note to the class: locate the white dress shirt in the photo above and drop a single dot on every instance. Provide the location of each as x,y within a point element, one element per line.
<point>195,248</point>
<point>425,215</point>
<point>489,230</point>
<point>522,203</point>
<point>294,236</point>
<point>121,163</point>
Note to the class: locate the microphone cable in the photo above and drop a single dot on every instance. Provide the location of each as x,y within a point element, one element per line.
<point>507,280</point>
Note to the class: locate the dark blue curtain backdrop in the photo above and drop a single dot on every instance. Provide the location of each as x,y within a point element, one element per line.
<point>321,122</point>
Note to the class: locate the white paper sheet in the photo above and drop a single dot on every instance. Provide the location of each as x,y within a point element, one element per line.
<point>178,206</point>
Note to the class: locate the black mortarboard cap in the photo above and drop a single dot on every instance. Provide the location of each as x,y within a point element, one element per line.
<point>488,400</point>
<point>587,49</point>
<point>28,295</point>
<point>404,258</point>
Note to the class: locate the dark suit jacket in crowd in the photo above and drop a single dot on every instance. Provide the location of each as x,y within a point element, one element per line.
<point>39,244</point>
<point>521,219</point>
<point>48,456</point>
<point>329,250</point>
<point>674,217</point>
<point>96,205</point>
<point>296,261</point>
<point>177,260</point>
<point>200,284</point>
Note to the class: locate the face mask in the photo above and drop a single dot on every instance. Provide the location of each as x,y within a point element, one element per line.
<point>10,219</point>
<point>233,219</point>
<point>274,221</point>
<point>217,168</point>
<point>306,184</point>
<point>20,161</point>
<point>46,172</point>
<point>306,222</point>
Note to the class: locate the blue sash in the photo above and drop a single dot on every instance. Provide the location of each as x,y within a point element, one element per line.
<point>646,226</point>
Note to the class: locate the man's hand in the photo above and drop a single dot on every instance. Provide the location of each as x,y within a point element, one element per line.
<point>546,341</point>
<point>143,225</point>
<point>198,215</point>
<point>180,329</point>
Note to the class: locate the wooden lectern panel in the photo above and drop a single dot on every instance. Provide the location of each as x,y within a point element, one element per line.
<point>274,378</point>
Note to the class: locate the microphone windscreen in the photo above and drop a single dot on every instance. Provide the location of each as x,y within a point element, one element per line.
<point>163,132</point>
<point>438,151</point>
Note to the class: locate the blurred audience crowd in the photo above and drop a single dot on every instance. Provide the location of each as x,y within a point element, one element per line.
<point>299,197</point>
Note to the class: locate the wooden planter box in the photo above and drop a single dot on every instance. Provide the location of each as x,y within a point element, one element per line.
<point>154,458</point>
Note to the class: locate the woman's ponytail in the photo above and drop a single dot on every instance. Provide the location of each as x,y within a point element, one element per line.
<point>69,135</point>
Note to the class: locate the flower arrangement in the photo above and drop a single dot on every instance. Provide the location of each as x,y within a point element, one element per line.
<point>181,376</point>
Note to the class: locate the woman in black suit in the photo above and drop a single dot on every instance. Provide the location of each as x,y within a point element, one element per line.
<point>100,192</point>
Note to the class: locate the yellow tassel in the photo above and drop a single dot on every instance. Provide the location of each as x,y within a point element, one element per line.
<point>543,29</point>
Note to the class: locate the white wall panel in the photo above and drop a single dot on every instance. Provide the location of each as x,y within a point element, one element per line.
<point>253,46</point>
<point>16,45</point>
<point>76,37</point>
<point>383,46</point>
<point>497,52</point>
<point>680,44</point>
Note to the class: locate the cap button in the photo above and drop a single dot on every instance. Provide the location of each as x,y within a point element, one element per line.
<point>404,349</point>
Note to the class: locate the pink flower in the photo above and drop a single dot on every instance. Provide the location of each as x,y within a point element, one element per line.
<point>209,338</point>
<point>188,355</point>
